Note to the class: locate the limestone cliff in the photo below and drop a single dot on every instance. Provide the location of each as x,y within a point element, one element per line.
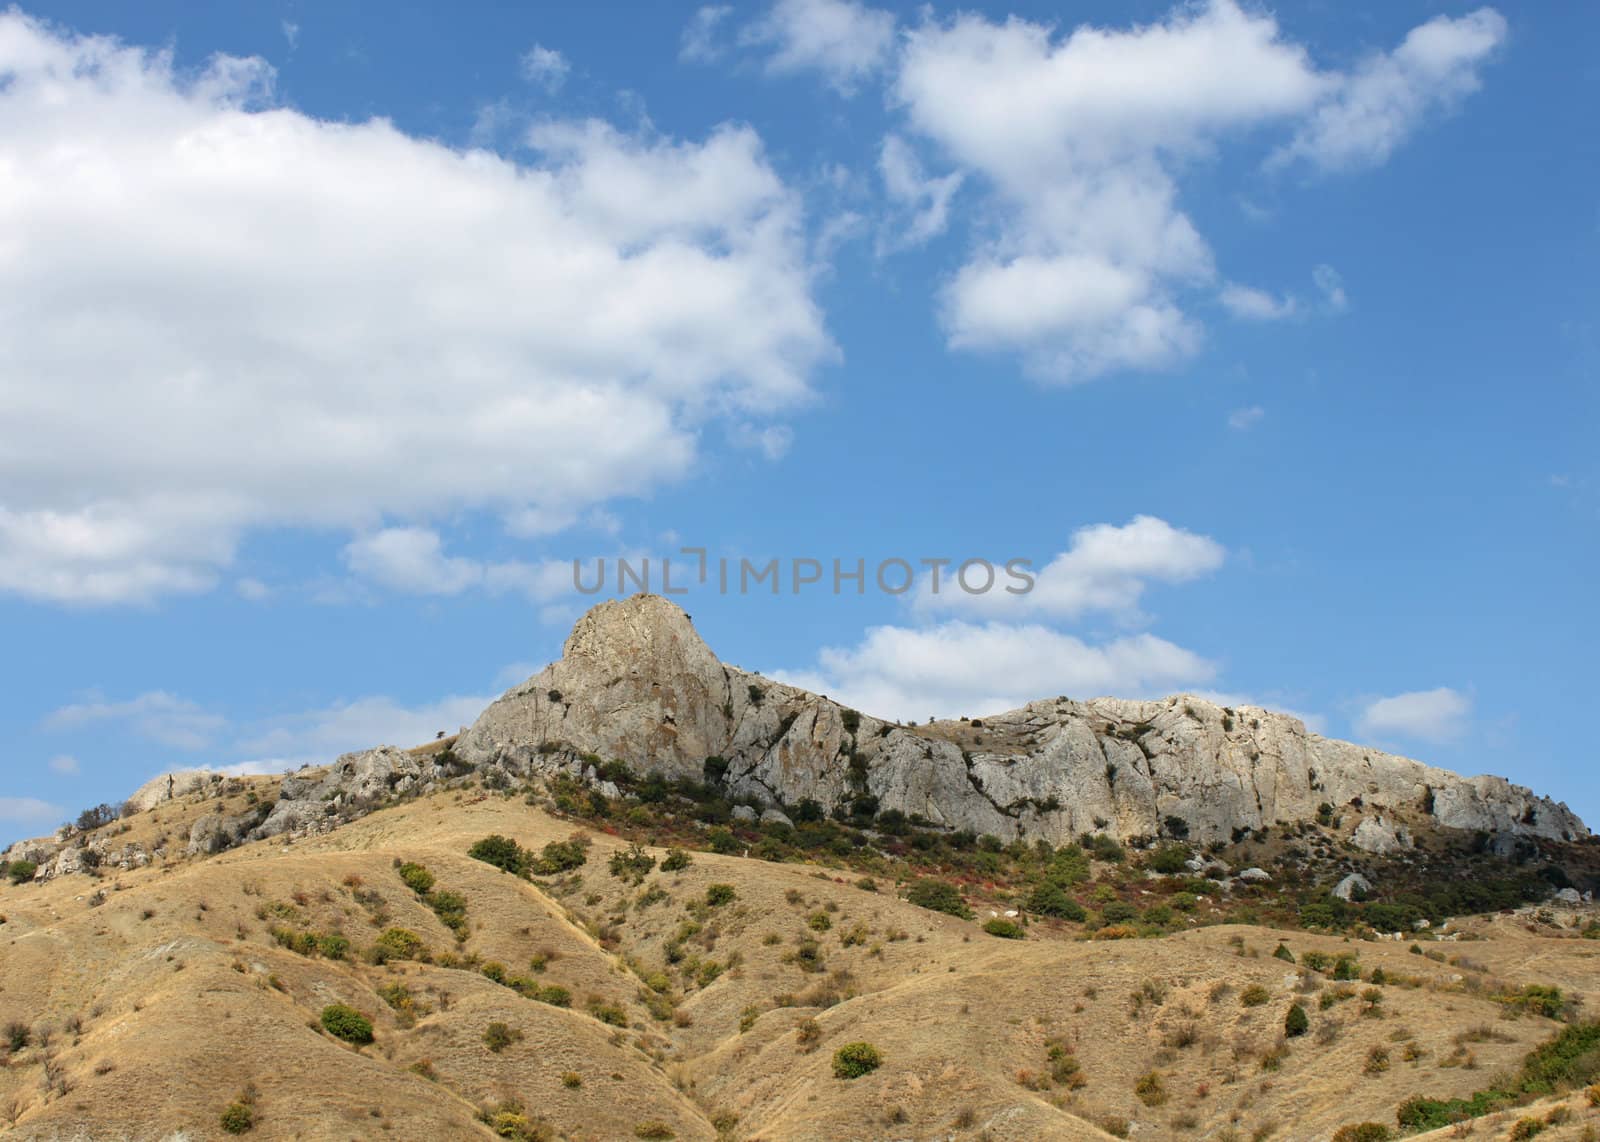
<point>636,683</point>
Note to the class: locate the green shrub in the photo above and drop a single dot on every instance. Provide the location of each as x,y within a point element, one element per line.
<point>1296,1023</point>
<point>238,1118</point>
<point>560,856</point>
<point>632,863</point>
<point>1118,912</point>
<point>502,852</point>
<point>22,870</point>
<point>720,894</point>
<point>1526,1128</point>
<point>853,1060</point>
<point>940,897</point>
<point>1254,996</point>
<point>1150,1089</point>
<point>1168,859</point>
<point>416,877</point>
<point>346,1023</point>
<point>399,944</point>
<point>498,1036</point>
<point>335,947</point>
<point>1282,952</point>
<point>1051,899</point>
<point>653,1129</point>
<point>1005,929</point>
<point>676,860</point>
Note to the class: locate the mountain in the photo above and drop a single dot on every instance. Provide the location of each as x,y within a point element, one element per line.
<point>635,682</point>
<point>650,896</point>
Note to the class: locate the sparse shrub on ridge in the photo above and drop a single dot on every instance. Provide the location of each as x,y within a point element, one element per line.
<point>939,897</point>
<point>502,852</point>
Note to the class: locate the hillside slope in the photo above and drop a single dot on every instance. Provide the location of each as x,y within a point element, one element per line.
<point>141,1004</point>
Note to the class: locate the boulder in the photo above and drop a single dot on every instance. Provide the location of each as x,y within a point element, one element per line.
<point>1353,887</point>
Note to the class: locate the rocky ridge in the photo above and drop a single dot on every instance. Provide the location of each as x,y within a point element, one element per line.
<point>637,683</point>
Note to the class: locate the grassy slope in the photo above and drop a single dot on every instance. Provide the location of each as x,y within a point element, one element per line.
<point>182,1004</point>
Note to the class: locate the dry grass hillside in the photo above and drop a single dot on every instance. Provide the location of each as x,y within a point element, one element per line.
<point>620,1000</point>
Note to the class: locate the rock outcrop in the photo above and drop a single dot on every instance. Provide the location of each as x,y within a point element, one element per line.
<point>636,683</point>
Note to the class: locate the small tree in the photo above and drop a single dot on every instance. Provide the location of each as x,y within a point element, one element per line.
<point>416,877</point>
<point>21,870</point>
<point>1296,1023</point>
<point>502,852</point>
<point>853,1060</point>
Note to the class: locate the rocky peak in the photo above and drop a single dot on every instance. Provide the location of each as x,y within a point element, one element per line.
<point>636,683</point>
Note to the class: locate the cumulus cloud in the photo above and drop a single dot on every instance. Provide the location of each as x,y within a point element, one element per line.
<point>700,43</point>
<point>843,40</point>
<point>1434,716</point>
<point>29,811</point>
<point>1376,107</point>
<point>544,67</point>
<point>1105,569</point>
<point>1256,305</point>
<point>156,715</point>
<point>959,668</point>
<point>210,325</point>
<point>923,200</point>
<point>412,560</point>
<point>316,737</point>
<point>1242,419</point>
<point>1078,143</point>
<point>1331,285</point>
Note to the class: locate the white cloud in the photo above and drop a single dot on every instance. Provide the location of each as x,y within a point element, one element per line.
<point>64,764</point>
<point>963,669</point>
<point>1437,715</point>
<point>700,43</point>
<point>545,67</point>
<point>291,33</point>
<point>210,329</point>
<point>1331,285</point>
<point>1105,569</point>
<point>412,560</point>
<point>316,737</point>
<point>156,715</point>
<point>29,811</point>
<point>924,199</point>
<point>252,590</point>
<point>1375,108</point>
<point>1242,419</point>
<point>1078,144</point>
<point>1256,305</point>
<point>844,40</point>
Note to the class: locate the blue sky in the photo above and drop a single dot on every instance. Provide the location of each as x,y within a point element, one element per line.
<point>1268,337</point>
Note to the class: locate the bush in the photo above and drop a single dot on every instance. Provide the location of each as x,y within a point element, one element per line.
<point>1150,1089</point>
<point>853,1060</point>
<point>346,1023</point>
<point>96,817</point>
<point>653,1129</point>
<point>676,860</point>
<point>632,863</point>
<point>940,897</point>
<point>1005,929</point>
<point>1296,1023</point>
<point>720,894</point>
<point>399,944</point>
<point>238,1118</point>
<point>1363,1132</point>
<point>21,870</point>
<point>416,877</point>
<point>498,1036</point>
<point>1254,996</point>
<point>1119,912</point>
<point>560,856</point>
<point>1168,859</point>
<point>502,852</point>
<point>1526,1128</point>
<point>1052,900</point>
<point>1282,952</point>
